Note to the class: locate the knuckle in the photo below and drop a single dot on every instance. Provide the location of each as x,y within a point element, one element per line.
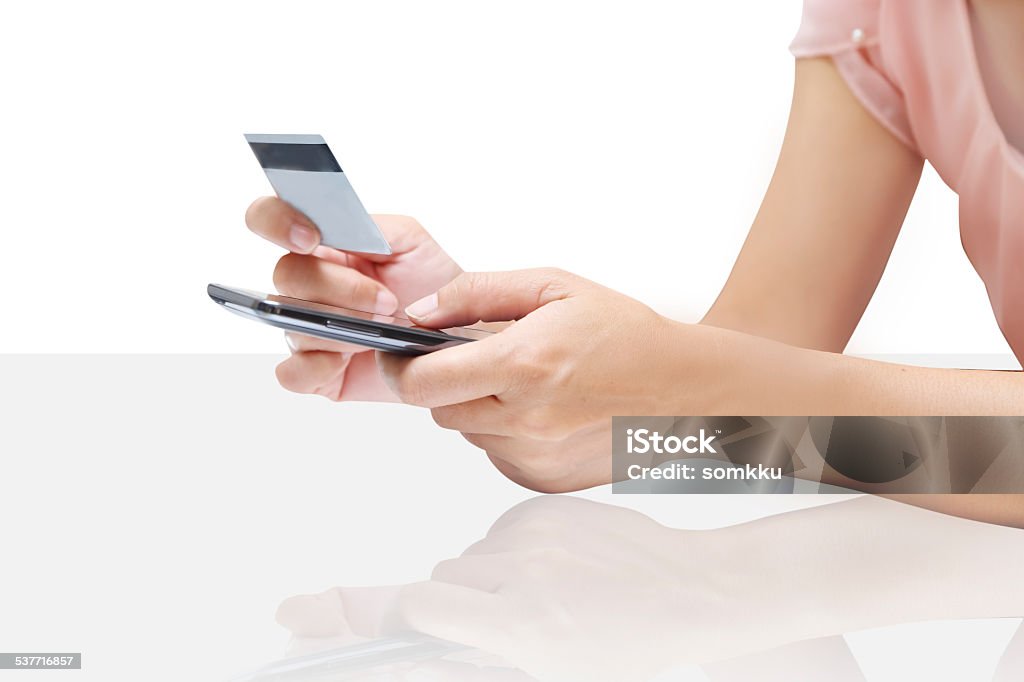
<point>444,570</point>
<point>480,441</point>
<point>409,224</point>
<point>398,225</point>
<point>364,291</point>
<point>292,271</point>
<point>538,563</point>
<point>444,417</point>
<point>256,213</point>
<point>287,377</point>
<point>284,271</point>
<point>551,284</point>
<point>544,427</point>
<point>552,274</point>
<point>463,286</point>
<point>529,362</point>
<point>540,531</point>
<point>329,391</point>
<point>409,385</point>
<point>543,467</point>
<point>533,425</point>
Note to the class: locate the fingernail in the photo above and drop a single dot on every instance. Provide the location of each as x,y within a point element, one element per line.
<point>303,238</point>
<point>290,342</point>
<point>422,308</point>
<point>386,303</point>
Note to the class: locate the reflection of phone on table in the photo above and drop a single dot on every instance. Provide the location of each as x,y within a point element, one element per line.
<point>381,332</point>
<point>356,661</point>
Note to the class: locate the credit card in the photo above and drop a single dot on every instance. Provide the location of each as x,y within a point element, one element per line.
<point>303,171</point>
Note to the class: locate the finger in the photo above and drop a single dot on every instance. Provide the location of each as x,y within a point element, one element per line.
<point>457,613</point>
<point>363,611</point>
<point>314,615</point>
<point>300,343</point>
<point>483,415</point>
<point>334,377</point>
<point>277,221</point>
<point>453,375</point>
<point>314,372</point>
<point>484,572</point>
<point>371,611</point>
<point>315,279</point>
<point>403,234</point>
<point>349,260</point>
<point>362,381</point>
<point>492,297</point>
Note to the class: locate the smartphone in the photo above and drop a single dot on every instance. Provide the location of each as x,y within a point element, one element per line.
<point>380,332</point>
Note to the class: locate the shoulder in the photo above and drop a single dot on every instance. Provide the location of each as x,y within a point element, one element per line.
<point>848,31</point>
<point>832,26</point>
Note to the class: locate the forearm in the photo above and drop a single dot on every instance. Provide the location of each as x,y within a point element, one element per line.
<point>867,387</point>
<point>762,377</point>
<point>771,378</point>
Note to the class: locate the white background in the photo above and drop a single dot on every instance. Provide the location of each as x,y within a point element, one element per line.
<point>629,142</point>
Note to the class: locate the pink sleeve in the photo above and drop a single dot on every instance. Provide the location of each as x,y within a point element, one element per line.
<point>848,32</point>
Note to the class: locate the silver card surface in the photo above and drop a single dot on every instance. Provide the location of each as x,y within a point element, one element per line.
<point>304,172</point>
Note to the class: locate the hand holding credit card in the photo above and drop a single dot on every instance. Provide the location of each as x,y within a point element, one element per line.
<point>350,301</point>
<point>304,172</point>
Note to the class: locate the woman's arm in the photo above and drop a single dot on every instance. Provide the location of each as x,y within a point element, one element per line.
<point>819,243</point>
<point>755,375</point>
<point>812,260</point>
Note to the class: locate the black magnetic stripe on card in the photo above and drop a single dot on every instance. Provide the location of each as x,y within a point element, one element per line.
<point>300,157</point>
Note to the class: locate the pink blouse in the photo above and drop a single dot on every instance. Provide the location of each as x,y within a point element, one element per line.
<point>913,65</point>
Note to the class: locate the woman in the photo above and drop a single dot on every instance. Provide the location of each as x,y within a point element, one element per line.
<point>880,86</point>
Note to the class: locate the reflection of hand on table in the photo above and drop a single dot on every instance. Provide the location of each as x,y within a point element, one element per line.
<point>624,597</point>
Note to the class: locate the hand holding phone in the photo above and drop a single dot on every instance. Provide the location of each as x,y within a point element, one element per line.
<point>382,285</point>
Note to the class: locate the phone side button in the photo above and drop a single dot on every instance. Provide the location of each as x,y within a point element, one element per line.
<point>356,329</point>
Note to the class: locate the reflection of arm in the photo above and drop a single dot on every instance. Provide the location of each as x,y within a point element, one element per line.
<point>824,658</point>
<point>872,562</point>
<point>812,260</point>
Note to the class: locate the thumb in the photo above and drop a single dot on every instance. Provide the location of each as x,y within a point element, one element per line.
<point>479,620</point>
<point>362,611</point>
<point>492,297</point>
